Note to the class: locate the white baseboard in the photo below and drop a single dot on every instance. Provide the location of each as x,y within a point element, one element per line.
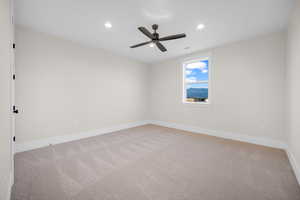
<point>67,138</point>
<point>294,164</point>
<point>10,185</point>
<point>227,135</point>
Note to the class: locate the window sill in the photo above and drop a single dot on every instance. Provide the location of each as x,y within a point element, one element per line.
<point>201,103</point>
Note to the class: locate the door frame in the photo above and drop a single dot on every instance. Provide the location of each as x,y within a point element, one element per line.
<point>12,85</point>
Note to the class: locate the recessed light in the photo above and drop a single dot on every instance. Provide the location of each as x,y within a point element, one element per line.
<point>151,45</point>
<point>200,26</point>
<point>108,25</point>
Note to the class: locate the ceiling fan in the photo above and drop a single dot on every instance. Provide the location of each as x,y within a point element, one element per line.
<point>155,39</point>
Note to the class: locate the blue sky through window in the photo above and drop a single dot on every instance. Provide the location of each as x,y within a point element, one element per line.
<point>197,71</point>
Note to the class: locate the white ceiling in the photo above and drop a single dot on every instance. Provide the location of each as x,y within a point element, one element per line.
<point>83,21</point>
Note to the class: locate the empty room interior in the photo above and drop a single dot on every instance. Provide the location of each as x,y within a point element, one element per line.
<point>150,100</point>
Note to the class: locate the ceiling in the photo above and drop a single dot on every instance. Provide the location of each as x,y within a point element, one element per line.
<point>83,21</point>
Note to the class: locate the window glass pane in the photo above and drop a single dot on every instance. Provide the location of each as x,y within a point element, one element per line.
<point>197,92</point>
<point>196,71</point>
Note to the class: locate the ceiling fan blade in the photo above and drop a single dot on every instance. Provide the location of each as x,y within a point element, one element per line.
<point>146,32</point>
<point>141,44</point>
<point>161,47</point>
<point>172,37</point>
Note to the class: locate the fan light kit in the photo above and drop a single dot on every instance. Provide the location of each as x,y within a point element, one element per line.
<point>155,39</point>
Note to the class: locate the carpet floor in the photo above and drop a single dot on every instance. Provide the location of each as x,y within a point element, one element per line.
<point>154,163</point>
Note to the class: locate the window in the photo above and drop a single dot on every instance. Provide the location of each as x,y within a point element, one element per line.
<point>196,81</point>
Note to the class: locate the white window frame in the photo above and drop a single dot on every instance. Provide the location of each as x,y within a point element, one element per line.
<point>185,82</point>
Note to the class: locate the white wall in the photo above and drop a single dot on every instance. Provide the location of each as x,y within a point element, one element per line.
<point>247,90</point>
<point>293,85</point>
<point>5,119</point>
<point>63,88</point>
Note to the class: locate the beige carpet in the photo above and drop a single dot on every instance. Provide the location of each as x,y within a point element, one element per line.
<point>154,163</point>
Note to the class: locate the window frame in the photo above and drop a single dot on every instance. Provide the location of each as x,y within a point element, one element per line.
<point>188,61</point>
